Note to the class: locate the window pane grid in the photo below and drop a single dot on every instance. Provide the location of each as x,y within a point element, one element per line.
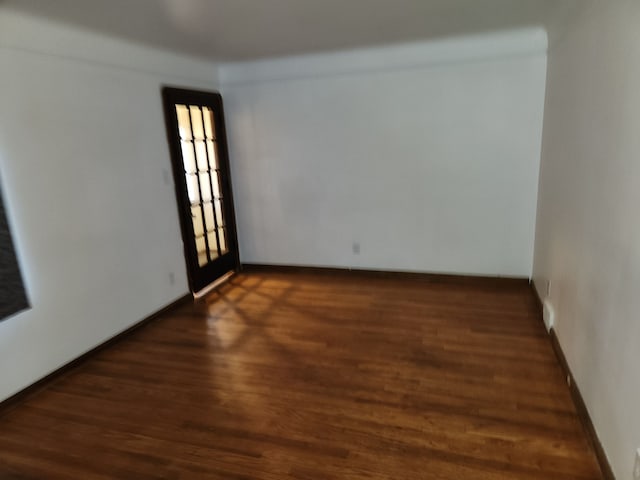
<point>204,180</point>
<point>195,204</point>
<point>215,216</point>
<point>203,255</point>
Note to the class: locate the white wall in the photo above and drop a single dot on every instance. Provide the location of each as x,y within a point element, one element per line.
<point>83,155</point>
<point>427,155</point>
<point>588,233</point>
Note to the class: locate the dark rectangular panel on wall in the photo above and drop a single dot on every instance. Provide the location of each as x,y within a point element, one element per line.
<point>13,297</point>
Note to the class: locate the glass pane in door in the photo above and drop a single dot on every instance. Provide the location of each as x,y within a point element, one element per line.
<point>199,153</point>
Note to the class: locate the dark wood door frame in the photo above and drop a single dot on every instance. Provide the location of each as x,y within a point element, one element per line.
<point>200,277</point>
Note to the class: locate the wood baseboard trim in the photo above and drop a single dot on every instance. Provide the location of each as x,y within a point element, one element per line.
<point>39,385</point>
<point>426,277</point>
<point>578,400</point>
<point>538,300</point>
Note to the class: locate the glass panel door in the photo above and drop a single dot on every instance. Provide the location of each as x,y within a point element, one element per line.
<point>195,123</point>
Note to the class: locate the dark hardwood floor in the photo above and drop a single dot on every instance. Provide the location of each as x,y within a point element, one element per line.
<point>315,377</point>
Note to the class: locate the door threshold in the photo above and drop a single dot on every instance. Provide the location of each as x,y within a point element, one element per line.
<point>211,287</point>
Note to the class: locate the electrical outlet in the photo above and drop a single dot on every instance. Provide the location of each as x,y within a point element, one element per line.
<point>356,248</point>
<point>636,468</point>
<point>172,278</point>
<point>166,177</point>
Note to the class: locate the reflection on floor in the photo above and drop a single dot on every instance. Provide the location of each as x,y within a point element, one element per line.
<point>314,376</point>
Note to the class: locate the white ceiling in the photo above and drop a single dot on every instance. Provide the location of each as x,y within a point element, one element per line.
<point>248,29</point>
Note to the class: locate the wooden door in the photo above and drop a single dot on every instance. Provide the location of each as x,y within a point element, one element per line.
<point>197,140</point>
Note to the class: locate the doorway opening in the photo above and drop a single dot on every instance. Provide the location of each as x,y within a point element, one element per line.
<point>200,160</point>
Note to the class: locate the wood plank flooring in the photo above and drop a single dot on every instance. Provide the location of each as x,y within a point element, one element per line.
<point>314,377</point>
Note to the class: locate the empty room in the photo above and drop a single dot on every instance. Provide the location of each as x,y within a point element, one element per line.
<point>319,239</point>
